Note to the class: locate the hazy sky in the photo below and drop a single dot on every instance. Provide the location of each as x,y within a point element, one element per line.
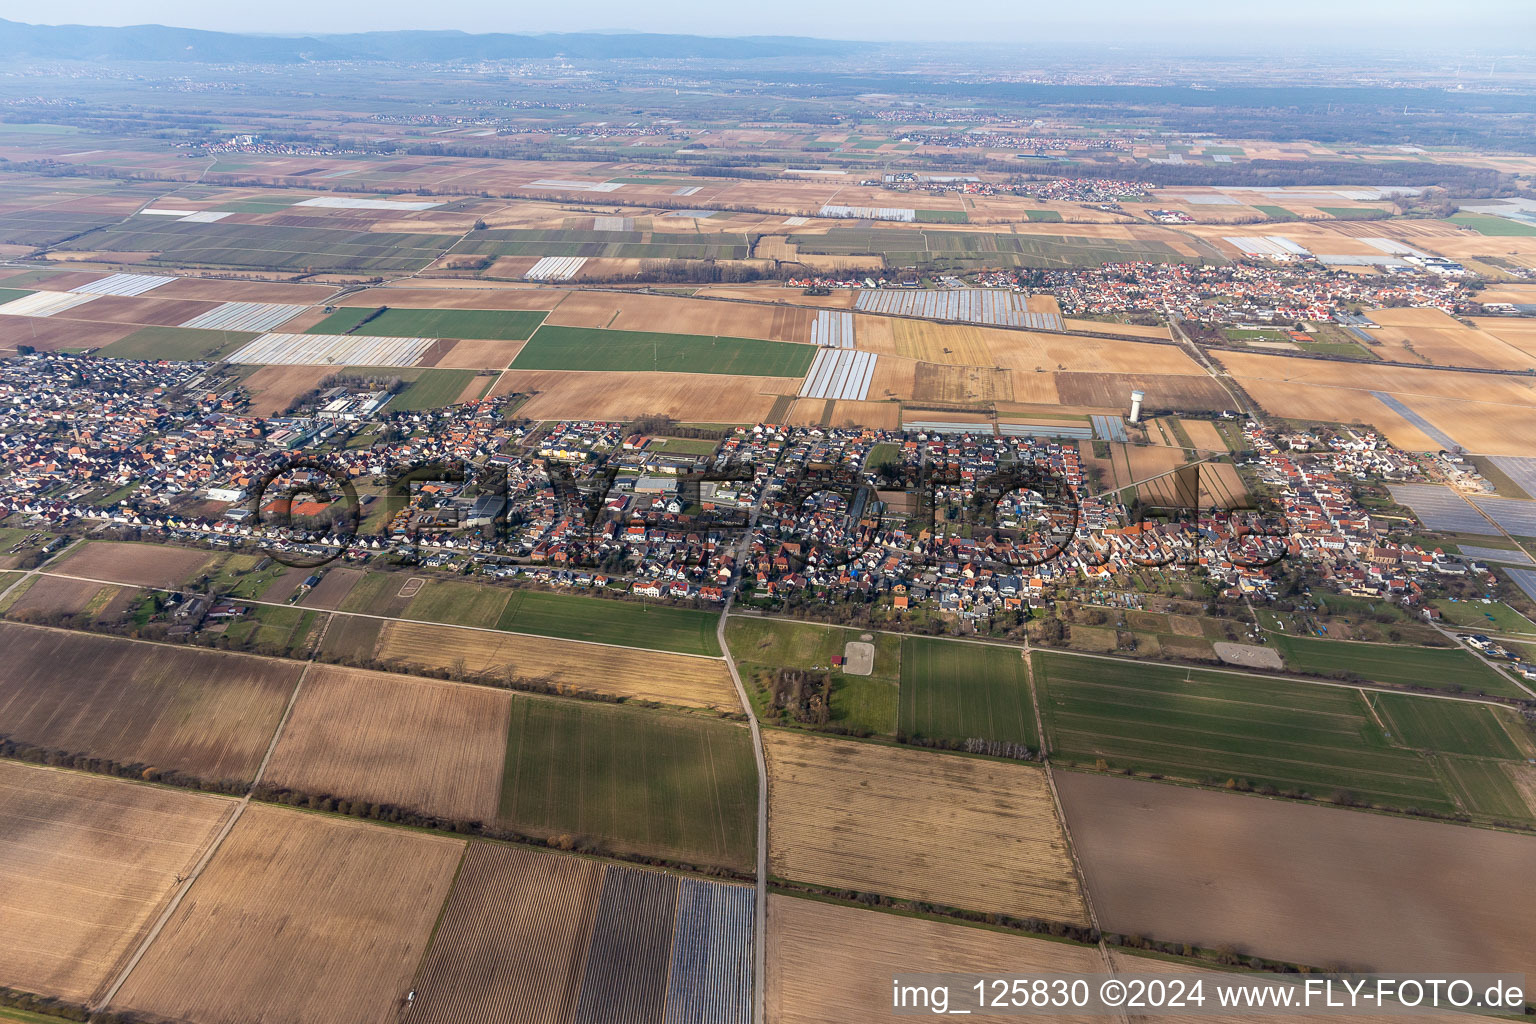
<point>1499,25</point>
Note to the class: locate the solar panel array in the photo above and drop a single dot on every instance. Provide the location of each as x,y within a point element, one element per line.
<point>1516,516</point>
<point>331,350</point>
<point>1525,579</point>
<point>245,316</point>
<point>1495,555</point>
<point>555,268</point>
<point>1045,430</point>
<point>1519,468</point>
<point>1440,508</point>
<point>832,329</point>
<point>988,306</point>
<point>1433,432</point>
<point>840,373</point>
<point>123,284</point>
<point>1109,428</point>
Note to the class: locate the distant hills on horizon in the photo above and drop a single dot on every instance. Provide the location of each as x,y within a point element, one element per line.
<point>160,42</point>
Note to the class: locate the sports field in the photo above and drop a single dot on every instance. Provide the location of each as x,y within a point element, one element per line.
<point>1209,727</point>
<point>958,691</point>
<point>490,324</point>
<point>639,781</point>
<point>577,348</point>
<point>627,623</point>
<point>1433,668</point>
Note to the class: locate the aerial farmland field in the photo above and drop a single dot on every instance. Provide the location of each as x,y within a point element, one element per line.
<point>664,784</point>
<point>956,692</point>
<point>1210,727</point>
<point>626,623</point>
<point>1433,668</point>
<point>828,964</point>
<point>86,864</point>
<point>423,744</point>
<point>876,818</point>
<point>1314,885</point>
<point>145,565</point>
<point>205,713</point>
<point>299,917</point>
<point>395,322</point>
<point>574,348</point>
<point>867,703</point>
<point>513,939</point>
<point>572,668</point>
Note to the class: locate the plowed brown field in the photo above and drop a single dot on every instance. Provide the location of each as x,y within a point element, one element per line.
<point>86,863</point>
<point>421,743</point>
<point>298,918</point>
<point>956,831</point>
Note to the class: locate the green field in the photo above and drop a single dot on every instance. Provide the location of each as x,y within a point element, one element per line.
<point>860,704</point>
<point>1353,213</point>
<point>583,348</point>
<point>685,446</point>
<point>941,216</point>
<point>956,691</point>
<point>176,343</point>
<point>914,245</point>
<point>458,604</point>
<point>673,786</point>
<point>490,324</point>
<point>1485,787</point>
<point>266,246</point>
<point>1435,668</point>
<point>1451,727</point>
<point>1476,615</point>
<point>634,245</point>
<point>1210,727</point>
<point>1496,227</point>
<point>1043,216</point>
<point>11,294</point>
<point>626,623</point>
<point>271,628</point>
<point>1276,212</point>
<point>426,387</point>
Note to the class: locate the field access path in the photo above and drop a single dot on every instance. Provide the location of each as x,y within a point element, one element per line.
<point>213,847</point>
<point>760,917</point>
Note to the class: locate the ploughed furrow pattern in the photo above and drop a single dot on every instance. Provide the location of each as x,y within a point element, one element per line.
<point>512,942</point>
<point>711,975</point>
<point>626,976</point>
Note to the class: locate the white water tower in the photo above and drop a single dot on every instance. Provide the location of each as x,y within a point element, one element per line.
<point>1136,397</point>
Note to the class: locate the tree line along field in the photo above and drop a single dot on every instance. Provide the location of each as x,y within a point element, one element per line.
<point>207,714</point>
<point>968,832</point>
<point>1433,668</point>
<point>1320,741</point>
<point>650,782</point>
<point>265,246</point>
<point>395,322</point>
<point>86,864</point>
<point>637,245</point>
<point>582,348</point>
